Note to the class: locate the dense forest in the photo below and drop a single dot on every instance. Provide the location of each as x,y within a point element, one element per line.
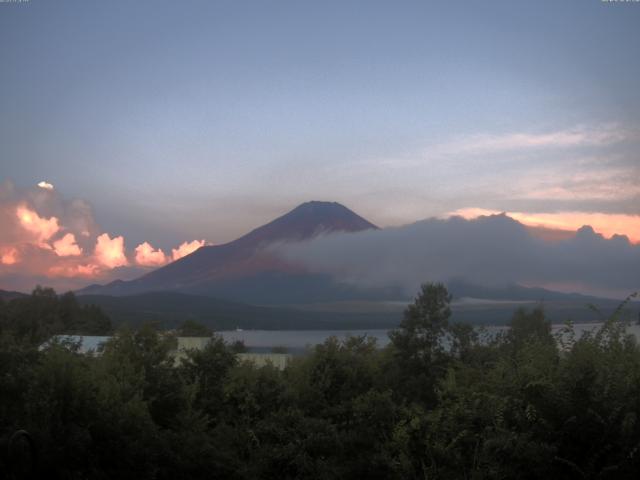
<point>441,401</point>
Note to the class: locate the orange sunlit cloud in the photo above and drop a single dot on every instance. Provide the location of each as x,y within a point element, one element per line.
<point>607,224</point>
<point>67,246</point>
<point>88,270</point>
<point>9,256</point>
<point>109,251</point>
<point>186,248</point>
<point>42,228</point>
<point>147,256</point>
<point>37,244</point>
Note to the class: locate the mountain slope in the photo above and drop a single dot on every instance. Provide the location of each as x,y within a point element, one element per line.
<point>461,288</point>
<point>245,269</point>
<point>170,309</point>
<point>7,295</point>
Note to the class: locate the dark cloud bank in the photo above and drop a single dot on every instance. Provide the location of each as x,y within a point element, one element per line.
<point>494,250</point>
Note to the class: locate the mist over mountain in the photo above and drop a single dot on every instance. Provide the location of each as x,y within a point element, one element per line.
<point>324,252</point>
<point>490,250</point>
<point>247,270</point>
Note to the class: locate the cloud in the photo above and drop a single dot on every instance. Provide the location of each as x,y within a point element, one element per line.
<point>110,252</point>
<point>73,271</point>
<point>488,250</point>
<point>9,256</point>
<point>510,147</point>
<point>606,224</point>
<point>147,256</point>
<point>45,185</point>
<point>48,239</point>
<point>45,237</point>
<point>603,183</point>
<point>42,228</point>
<point>186,248</point>
<point>580,136</point>
<point>67,246</point>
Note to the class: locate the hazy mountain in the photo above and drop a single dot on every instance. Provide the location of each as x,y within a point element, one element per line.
<point>460,288</point>
<point>9,295</point>
<point>246,270</point>
<point>169,309</point>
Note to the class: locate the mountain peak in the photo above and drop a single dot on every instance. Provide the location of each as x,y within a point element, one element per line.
<point>244,259</point>
<point>308,220</point>
<point>319,205</point>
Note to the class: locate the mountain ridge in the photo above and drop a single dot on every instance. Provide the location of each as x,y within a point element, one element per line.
<point>246,257</point>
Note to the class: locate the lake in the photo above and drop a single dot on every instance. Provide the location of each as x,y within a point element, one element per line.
<point>300,340</point>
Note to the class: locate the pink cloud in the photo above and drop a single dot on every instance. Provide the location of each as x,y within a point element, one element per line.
<point>9,256</point>
<point>67,246</point>
<point>42,228</point>
<point>147,256</point>
<point>44,235</point>
<point>88,270</point>
<point>186,248</point>
<point>110,252</point>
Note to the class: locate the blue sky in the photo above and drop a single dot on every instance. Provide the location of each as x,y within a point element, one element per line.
<point>203,119</point>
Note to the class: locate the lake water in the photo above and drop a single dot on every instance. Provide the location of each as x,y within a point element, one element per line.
<point>300,340</point>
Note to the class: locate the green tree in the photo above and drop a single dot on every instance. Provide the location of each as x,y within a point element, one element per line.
<point>191,328</point>
<point>208,370</point>
<point>418,344</point>
<point>150,354</point>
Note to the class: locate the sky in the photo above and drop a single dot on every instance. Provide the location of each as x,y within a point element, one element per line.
<point>166,123</point>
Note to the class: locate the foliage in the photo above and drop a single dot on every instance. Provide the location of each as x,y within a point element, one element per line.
<point>438,402</point>
<point>36,318</point>
<point>192,328</point>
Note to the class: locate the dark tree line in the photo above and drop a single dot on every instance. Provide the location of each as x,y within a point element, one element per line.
<point>438,402</point>
<point>36,318</point>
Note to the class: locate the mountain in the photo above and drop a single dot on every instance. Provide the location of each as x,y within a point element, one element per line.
<point>460,288</point>
<point>170,309</point>
<point>7,295</point>
<point>306,221</point>
<point>245,270</point>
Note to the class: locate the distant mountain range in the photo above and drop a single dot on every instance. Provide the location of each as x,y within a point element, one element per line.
<point>169,309</point>
<point>7,295</point>
<point>460,288</point>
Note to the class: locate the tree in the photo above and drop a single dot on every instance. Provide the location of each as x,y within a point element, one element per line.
<point>191,328</point>
<point>418,343</point>
<point>36,318</point>
<point>208,369</point>
<point>149,354</point>
<point>526,327</point>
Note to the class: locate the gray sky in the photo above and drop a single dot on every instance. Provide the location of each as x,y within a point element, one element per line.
<point>202,119</point>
